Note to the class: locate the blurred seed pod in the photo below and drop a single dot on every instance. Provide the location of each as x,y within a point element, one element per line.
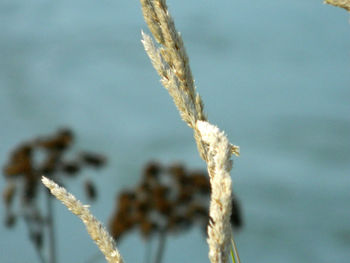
<point>185,195</point>
<point>160,192</point>
<point>31,160</point>
<point>37,238</point>
<point>61,141</point>
<point>126,200</point>
<point>147,228</point>
<point>90,190</point>
<point>162,202</point>
<point>70,168</point>
<point>20,161</point>
<point>236,215</point>
<point>179,223</point>
<point>177,170</point>
<point>152,170</point>
<point>24,150</point>
<point>119,224</point>
<point>145,189</point>
<point>18,169</point>
<point>9,193</point>
<point>93,159</point>
<point>30,187</point>
<point>142,205</point>
<point>50,165</point>
<point>197,211</point>
<point>200,182</point>
<point>10,220</point>
<point>116,229</point>
<point>139,216</point>
<point>164,207</point>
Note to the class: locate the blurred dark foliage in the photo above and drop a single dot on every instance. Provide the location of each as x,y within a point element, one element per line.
<point>169,199</point>
<point>33,159</point>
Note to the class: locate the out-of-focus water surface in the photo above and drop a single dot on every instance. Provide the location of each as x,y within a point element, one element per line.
<point>273,74</point>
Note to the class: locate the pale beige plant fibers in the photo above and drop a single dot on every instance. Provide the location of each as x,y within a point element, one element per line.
<point>220,164</point>
<point>340,3</point>
<point>95,229</point>
<point>171,62</point>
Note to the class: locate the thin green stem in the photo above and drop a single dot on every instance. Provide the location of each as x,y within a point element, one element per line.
<point>232,254</point>
<point>235,251</point>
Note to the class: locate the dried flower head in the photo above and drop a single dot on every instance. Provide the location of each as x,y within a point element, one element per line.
<point>167,199</point>
<point>45,155</point>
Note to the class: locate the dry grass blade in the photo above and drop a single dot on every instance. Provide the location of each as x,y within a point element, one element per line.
<point>219,167</point>
<point>339,3</point>
<point>95,229</point>
<point>172,64</point>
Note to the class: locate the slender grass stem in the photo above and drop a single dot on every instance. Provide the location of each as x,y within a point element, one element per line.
<point>161,246</point>
<point>38,250</point>
<point>235,251</point>
<point>97,232</point>
<point>51,228</point>
<point>148,250</point>
<point>232,255</point>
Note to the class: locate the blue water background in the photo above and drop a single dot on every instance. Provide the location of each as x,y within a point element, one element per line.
<point>273,74</point>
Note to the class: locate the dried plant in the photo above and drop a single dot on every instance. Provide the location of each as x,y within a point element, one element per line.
<point>339,3</point>
<point>95,229</point>
<point>46,155</point>
<point>167,200</point>
<point>171,62</point>
<point>219,165</point>
<point>26,164</point>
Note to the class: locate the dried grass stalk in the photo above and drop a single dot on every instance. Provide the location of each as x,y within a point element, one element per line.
<point>219,167</point>
<point>95,229</point>
<point>339,3</point>
<point>172,64</point>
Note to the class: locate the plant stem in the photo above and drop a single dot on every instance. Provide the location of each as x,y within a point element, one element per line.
<point>50,224</point>
<point>235,249</point>
<point>36,246</point>
<point>161,245</point>
<point>148,250</point>
<point>232,254</point>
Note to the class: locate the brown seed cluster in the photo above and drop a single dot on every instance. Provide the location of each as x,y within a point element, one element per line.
<point>167,199</point>
<point>43,156</point>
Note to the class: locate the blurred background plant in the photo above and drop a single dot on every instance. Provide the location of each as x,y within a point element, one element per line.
<point>27,163</point>
<point>166,200</point>
<point>278,70</point>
